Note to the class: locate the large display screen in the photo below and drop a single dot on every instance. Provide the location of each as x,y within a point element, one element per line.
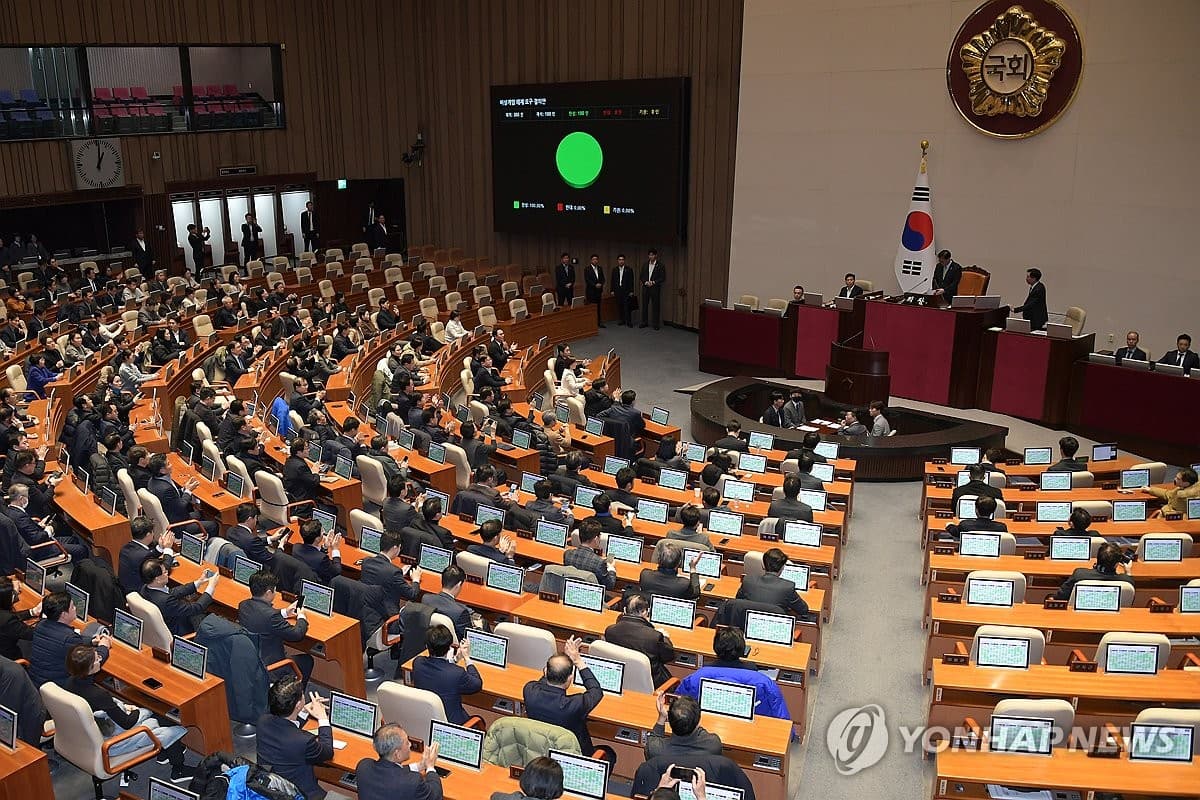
<point>604,159</point>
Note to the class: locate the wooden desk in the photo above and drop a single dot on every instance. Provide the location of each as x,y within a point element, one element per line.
<point>25,773</point>
<point>441,477</point>
<point>1029,374</point>
<point>1103,470</point>
<point>210,493</point>
<point>108,534</point>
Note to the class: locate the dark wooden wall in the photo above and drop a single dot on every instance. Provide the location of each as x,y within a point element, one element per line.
<point>361,78</point>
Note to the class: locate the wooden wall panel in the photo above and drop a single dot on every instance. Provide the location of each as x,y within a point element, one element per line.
<point>361,78</point>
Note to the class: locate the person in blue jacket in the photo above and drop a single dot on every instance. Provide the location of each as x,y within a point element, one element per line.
<point>730,644</point>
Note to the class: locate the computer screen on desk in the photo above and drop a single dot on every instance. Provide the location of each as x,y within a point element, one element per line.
<point>813,498</point>
<point>1132,659</point>
<point>990,592</point>
<point>964,477</point>
<point>1055,481</point>
<point>806,534</point>
<point>986,545</point>
<point>584,495</point>
<point>1129,511</point>
<point>436,453</point>
<point>487,514</point>
<point>827,449</point>
<point>594,426</point>
<point>625,548</point>
<point>1193,508</point>
<point>582,776</point>
<point>328,521</point>
<point>369,539</point>
<point>964,455</point>
<point>727,699</point>
<point>456,744</point>
<point>823,472</point>
<point>351,714</point>
<point>712,791</point>
<point>695,451</point>
<point>343,467</point>
<point>762,626</point>
<point>1038,456</point>
<point>583,595</point>
<point>318,597</point>
<point>797,574</point>
<point>1104,452</point>
<point>189,657</point>
<point>672,611</point>
<point>1161,743</point>
<point>243,568</point>
<point>528,481</point>
<point>488,648</point>
<point>127,628</point>
<point>35,576</point>
<point>1162,550</point>
<point>551,533</point>
<point>1189,599</point>
<point>434,559</point>
<point>752,462</point>
<point>702,562</point>
<point>672,478</point>
<point>725,523</point>
<point>613,465</point>
<point>1135,478</point>
<point>609,673</point>
<point>1002,651</point>
<point>652,510</point>
<point>659,416</point>
<point>1098,598</point>
<point>1053,511</point>
<point>505,578</point>
<point>80,598</point>
<point>235,484</point>
<point>760,441</point>
<point>162,790</point>
<point>1070,548</point>
<point>1021,735</point>
<point>742,491</point>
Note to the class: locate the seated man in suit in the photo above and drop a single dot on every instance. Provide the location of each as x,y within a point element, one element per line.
<point>477,451</point>
<point>318,551</point>
<point>396,513</point>
<point>269,626</point>
<point>992,459</point>
<point>446,601</point>
<point>623,494</point>
<point>246,536</point>
<point>426,523</point>
<point>180,613</point>
<point>597,398</point>
<point>448,678</point>
<point>602,508</point>
<point>546,699</point>
<point>634,630</point>
<point>54,637</point>
<point>732,439</point>
<point>788,507</point>
<point>710,499</point>
<point>1108,558</point>
<point>284,746</point>
<point>1182,355</point>
<point>879,423</point>
<point>985,509</point>
<point>804,466</point>
<point>689,534</point>
<point>397,584</point>
<point>492,545</point>
<point>542,507</point>
<point>851,426</point>
<point>666,580</point>
<point>483,491</point>
<point>1184,487</point>
<point>808,447</point>
<point>851,289</point>
<point>771,588</point>
<point>144,544</point>
<point>587,556</point>
<point>1068,446</point>
<point>1131,350</point>
<point>176,503</point>
<point>390,776</point>
<point>688,736</point>
<point>977,485</point>
<point>774,413</point>
<point>627,412</point>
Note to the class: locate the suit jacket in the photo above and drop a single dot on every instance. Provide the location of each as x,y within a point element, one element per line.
<point>851,291</point>
<point>129,568</point>
<point>1131,353</point>
<point>318,561</point>
<point>143,256</point>
<point>659,277</point>
<point>732,443</point>
<point>1089,574</point>
<point>449,682</point>
<point>299,481</point>
<point>268,627</point>
<point>672,748</point>
<point>594,402</point>
<point>777,591</point>
<point>176,506</point>
<point>378,570</point>
<point>793,414</point>
<point>588,560</point>
<point>385,780</point>
<point>773,416</point>
<point>622,280</point>
<point>1189,361</point>
<point>251,233</point>
<point>291,752</point>
<point>1069,465</point>
<point>593,277</point>
<point>499,354</point>
<point>950,280</point>
<point>254,545</point>
<point>18,693</point>
<point>563,274</point>
<point>669,583</point>
<point>235,367</point>
<point>32,533</point>
<point>974,525</point>
<point>1034,307</point>
<point>638,634</point>
<point>548,703</point>
<point>786,509</point>
<point>628,414</point>
<point>976,488</point>
<point>176,606</point>
<point>52,640</point>
<point>376,237</point>
<point>306,222</point>
<point>459,614</point>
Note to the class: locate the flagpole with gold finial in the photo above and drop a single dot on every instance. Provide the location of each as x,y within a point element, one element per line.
<point>924,154</point>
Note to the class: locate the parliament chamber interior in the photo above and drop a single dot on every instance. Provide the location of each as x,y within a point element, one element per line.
<point>498,400</point>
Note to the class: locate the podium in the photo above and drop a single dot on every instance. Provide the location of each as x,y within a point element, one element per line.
<point>856,376</point>
<point>818,328</point>
<point>1028,375</point>
<point>746,342</point>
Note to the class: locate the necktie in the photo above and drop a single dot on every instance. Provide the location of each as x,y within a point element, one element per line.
<point>1178,359</point>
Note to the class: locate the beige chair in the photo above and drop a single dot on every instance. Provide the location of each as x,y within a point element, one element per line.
<point>997,479</point>
<point>479,412</point>
<point>374,480</point>
<point>487,317</point>
<point>1018,581</point>
<point>238,467</point>
<point>528,646</point>
<point>231,269</point>
<point>154,629</point>
<point>396,259</point>
<point>359,283</point>
<point>1127,591</point>
<point>1082,480</point>
<point>638,677</point>
<point>1097,508</point>
<point>25,279</point>
<point>303,275</point>
<point>130,318</point>
<point>1158,471</point>
<point>334,254</point>
<point>78,739</point>
<point>472,564</point>
<point>867,286</point>
<point>427,268</point>
<point>452,301</point>
<point>509,290</point>
<point>749,300</point>
<point>517,308</point>
<point>752,564</point>
<point>1181,717</point>
<point>468,381</point>
<point>777,304</point>
<point>445,622</point>
<point>360,519</point>
<point>202,324</point>
<point>404,291</point>
<point>1184,539</point>
<point>438,331</point>
<point>1158,640</point>
<point>1061,711</point>
<point>393,275</point>
<point>375,297</point>
<point>548,304</point>
<point>153,511</point>
<point>280,263</point>
<point>209,448</point>
<point>273,500</point>
<point>462,468</point>
<point>1035,637</point>
<point>255,271</point>
<point>327,290</point>
<point>1076,317</point>
<point>364,264</point>
<point>360,249</point>
<point>133,504</point>
<point>429,308</point>
<point>410,708</point>
<point>482,295</point>
<point>175,282</point>
<point>16,380</point>
<point>334,270</point>
<point>308,258</point>
<point>437,284</point>
<point>273,278</point>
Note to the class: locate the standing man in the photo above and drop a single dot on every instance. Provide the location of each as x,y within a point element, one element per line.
<point>850,289</point>
<point>946,276</point>
<point>1034,307</point>
<point>622,288</point>
<point>377,234</point>
<point>1131,350</point>
<point>143,256</point>
<point>196,240</point>
<point>250,238</point>
<point>654,275</point>
<point>1182,355</point>
<point>308,229</point>
<point>594,275</point>
<point>564,280</point>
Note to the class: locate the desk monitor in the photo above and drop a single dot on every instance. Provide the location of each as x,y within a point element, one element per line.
<point>369,539</point>
<point>987,301</point>
<point>816,499</point>
<point>1135,478</point>
<point>1132,659</point>
<point>162,790</point>
<point>350,714</point>
<point>805,534</point>
<point>584,495</point>
<point>797,574</point>
<point>582,776</point>
<point>712,791</point>
<point>1162,550</point>
<point>1193,508</point>
<point>456,744</point>
<point>725,523</point>
<point>708,563</point>
<point>243,568</point>
<point>1189,599</point>
<point>1129,511</point>
<point>521,439</point>
<point>1142,366</point>
<point>672,611</point>
<point>488,648</point>
<point>127,628</point>
<point>189,657</point>
<point>1161,743</point>
<point>727,699</point>
<point>1104,452</point>
<point>827,449</point>
<point>1021,735</point>
<point>613,465</point>
<point>80,598</point>
<point>742,491</point>
<point>990,592</point>
<point>186,450</point>
<point>536,399</point>
<point>328,521</point>
<point>695,451</point>
<point>314,452</point>
<point>823,472</point>
<point>436,453</point>
<point>504,578</point>
<point>964,477</point>
<point>966,508</point>
<point>609,673</point>
<point>488,513</point>
<point>528,481</point>
<point>563,412</point>
<point>625,548</point>
<point>1070,548</point>
<point>1101,358</point>
<point>1017,325</point>
<point>317,597</point>
<point>551,533</point>
<point>752,462</point>
<point>1053,511</point>
<point>462,413</point>
<point>208,468</point>
<point>762,626</point>
<point>192,547</point>
<point>35,576</point>
<point>1055,481</point>
<point>1002,651</point>
<point>8,728</point>
<point>652,510</point>
<point>594,426</point>
<point>235,484</point>
<point>583,595</point>
<point>986,545</point>
<point>434,559</point>
<point>442,498</point>
<point>1038,456</point>
<point>343,467</point>
<point>760,441</point>
<point>659,416</point>
<point>814,299</point>
<point>406,439</point>
<point>672,478</point>
<point>1169,369</point>
<point>1098,598</point>
<point>381,424</point>
<point>964,456</point>
<point>963,301</point>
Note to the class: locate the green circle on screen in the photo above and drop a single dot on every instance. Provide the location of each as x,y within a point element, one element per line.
<point>579,159</point>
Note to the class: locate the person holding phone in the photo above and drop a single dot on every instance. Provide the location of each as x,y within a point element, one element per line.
<point>447,672</point>
<point>688,736</point>
<point>181,614</point>
<point>667,788</point>
<point>273,626</point>
<point>389,776</point>
<point>284,746</point>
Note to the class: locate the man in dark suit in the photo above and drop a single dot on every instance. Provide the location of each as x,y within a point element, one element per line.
<point>396,514</point>
<point>1182,355</point>
<point>653,276</point>
<point>593,275</point>
<point>284,746</point>
<point>771,588</point>
<point>788,507</point>
<point>312,238</point>
<point>946,276</point>
<point>246,536</point>
<point>732,439</point>
<point>180,613</point>
<point>492,545</point>
<point>1130,351</point>
<point>449,680</point>
<point>546,699</point>
<point>197,240</point>
<point>54,637</point>
<point>602,506</point>
<point>1034,307</point>
<point>389,776</point>
<point>299,481</point>
<point>269,626</point>
<point>804,466</point>
<point>666,580</point>
<point>622,289</point>
<point>18,693</point>
<point>251,237</point>
<point>378,570</point>
<point>446,601</point>
<point>977,485</point>
<point>226,316</point>
<point>1068,446</point>
<point>377,234</point>
<point>1108,558</point>
<point>136,551</point>
<point>626,412</point>
<point>143,256</point>
<point>235,363</point>
<point>688,737</point>
<point>318,551</point>
<point>426,522</point>
<point>499,349</point>
<point>564,280</point>
<point>851,289</point>
<point>633,630</point>
<point>597,398</point>
<point>176,503</point>
<point>985,509</point>
<point>774,413</point>
<point>586,556</point>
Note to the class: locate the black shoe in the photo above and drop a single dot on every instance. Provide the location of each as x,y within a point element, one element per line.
<point>182,773</point>
<point>128,777</point>
<point>162,758</point>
